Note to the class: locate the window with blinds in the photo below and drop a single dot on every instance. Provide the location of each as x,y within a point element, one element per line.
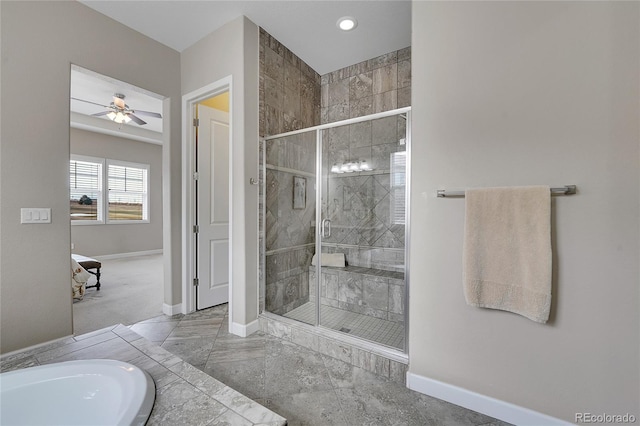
<point>128,193</point>
<point>108,191</point>
<point>85,183</point>
<point>398,185</point>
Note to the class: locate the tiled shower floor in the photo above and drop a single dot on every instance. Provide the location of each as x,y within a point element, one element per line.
<point>378,330</point>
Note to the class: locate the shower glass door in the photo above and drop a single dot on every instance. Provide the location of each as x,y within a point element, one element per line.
<point>363,221</point>
<point>334,219</point>
<point>289,226</point>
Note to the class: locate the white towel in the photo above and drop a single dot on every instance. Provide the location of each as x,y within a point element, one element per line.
<point>507,250</point>
<point>330,259</point>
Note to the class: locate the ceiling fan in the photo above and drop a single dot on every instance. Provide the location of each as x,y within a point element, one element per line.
<point>120,112</point>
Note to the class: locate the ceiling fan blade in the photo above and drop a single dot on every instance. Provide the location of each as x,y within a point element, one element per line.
<point>136,119</point>
<point>89,102</point>
<point>149,113</point>
<point>99,114</point>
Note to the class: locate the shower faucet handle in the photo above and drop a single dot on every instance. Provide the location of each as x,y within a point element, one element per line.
<point>325,228</point>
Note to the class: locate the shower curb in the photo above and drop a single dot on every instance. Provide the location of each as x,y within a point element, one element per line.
<point>380,361</point>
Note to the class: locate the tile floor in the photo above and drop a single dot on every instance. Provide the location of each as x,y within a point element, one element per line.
<point>305,387</point>
<point>185,396</point>
<point>377,330</point>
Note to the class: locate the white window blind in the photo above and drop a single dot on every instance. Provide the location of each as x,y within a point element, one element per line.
<point>128,192</point>
<point>85,183</point>
<point>398,187</point>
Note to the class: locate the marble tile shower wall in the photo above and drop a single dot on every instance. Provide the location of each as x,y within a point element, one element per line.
<point>363,206</point>
<point>360,205</point>
<point>375,293</point>
<point>293,96</point>
<point>289,89</point>
<point>376,85</point>
<point>288,228</point>
<point>289,99</point>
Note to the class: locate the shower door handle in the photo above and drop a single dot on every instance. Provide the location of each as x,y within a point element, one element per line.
<point>325,228</point>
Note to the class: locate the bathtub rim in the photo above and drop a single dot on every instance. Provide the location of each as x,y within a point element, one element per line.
<point>145,405</point>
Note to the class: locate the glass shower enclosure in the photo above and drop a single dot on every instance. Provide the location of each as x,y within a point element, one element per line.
<point>335,219</point>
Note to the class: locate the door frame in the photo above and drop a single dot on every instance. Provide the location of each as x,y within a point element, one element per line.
<point>189,102</point>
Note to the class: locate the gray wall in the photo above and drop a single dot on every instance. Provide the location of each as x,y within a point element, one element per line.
<point>40,41</point>
<point>522,93</point>
<point>114,238</point>
<point>233,51</point>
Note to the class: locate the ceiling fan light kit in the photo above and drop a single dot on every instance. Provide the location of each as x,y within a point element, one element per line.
<point>119,112</point>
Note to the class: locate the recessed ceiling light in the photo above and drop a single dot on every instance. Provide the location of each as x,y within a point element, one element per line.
<point>347,23</point>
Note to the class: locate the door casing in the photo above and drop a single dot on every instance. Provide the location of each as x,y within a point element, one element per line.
<point>189,102</point>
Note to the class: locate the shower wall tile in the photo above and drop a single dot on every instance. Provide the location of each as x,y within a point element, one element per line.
<point>359,68</point>
<point>338,112</point>
<point>273,65</point>
<point>350,290</point>
<point>399,318</point>
<point>291,105</point>
<point>385,79</point>
<point>375,293</point>
<point>338,75</point>
<point>293,96</point>
<point>404,97</point>
<point>360,135</point>
<point>384,131</point>
<point>287,279</point>
<point>363,290</point>
<point>404,74</point>
<point>385,101</point>
<point>292,75</point>
<point>404,54</point>
<point>289,89</point>
<point>330,285</point>
<point>361,85</point>
<point>339,92</point>
<point>359,108</point>
<point>396,298</point>
<point>373,86</point>
<point>382,60</point>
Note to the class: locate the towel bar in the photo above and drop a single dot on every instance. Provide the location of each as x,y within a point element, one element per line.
<point>565,190</point>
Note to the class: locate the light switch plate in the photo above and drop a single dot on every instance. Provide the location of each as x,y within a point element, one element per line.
<point>35,215</point>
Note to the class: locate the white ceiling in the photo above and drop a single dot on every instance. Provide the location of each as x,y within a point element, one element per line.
<point>307,27</point>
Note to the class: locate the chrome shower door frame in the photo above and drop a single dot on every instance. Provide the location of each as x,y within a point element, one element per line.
<point>319,211</point>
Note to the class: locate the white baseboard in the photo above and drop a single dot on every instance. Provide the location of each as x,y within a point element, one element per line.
<point>244,330</point>
<point>130,254</point>
<point>171,309</point>
<point>496,408</point>
<point>29,348</point>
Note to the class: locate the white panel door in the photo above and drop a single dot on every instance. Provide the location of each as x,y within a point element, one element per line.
<point>212,208</point>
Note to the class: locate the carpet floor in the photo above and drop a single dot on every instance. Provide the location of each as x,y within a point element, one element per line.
<point>131,291</point>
